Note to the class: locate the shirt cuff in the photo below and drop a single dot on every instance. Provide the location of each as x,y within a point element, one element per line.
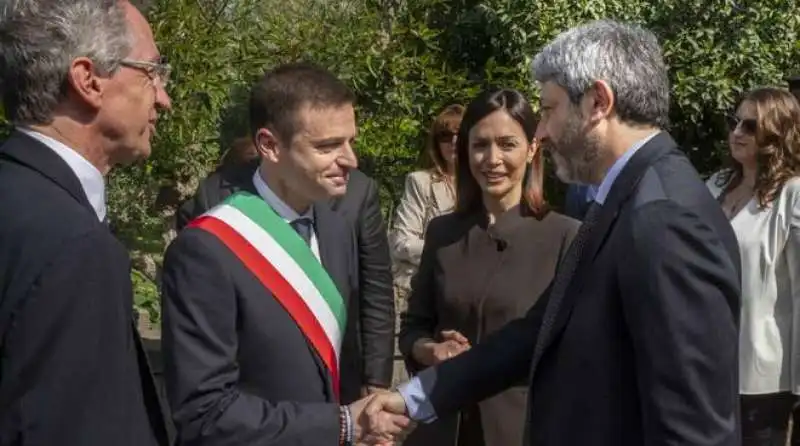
<point>415,394</point>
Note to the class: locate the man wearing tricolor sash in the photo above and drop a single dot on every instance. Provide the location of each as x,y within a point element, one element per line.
<point>255,291</point>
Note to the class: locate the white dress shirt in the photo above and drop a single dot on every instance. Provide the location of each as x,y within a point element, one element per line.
<point>92,182</point>
<point>769,336</point>
<point>283,210</point>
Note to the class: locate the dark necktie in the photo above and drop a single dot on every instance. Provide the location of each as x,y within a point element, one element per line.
<point>564,276</point>
<point>303,227</point>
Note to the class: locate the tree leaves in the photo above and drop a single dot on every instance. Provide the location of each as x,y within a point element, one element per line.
<point>407,59</point>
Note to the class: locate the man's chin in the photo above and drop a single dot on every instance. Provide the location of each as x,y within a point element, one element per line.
<point>564,175</point>
<point>336,186</point>
<point>129,156</point>
<point>337,191</point>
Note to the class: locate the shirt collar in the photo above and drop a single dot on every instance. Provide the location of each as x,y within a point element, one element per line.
<point>601,192</point>
<point>92,182</point>
<point>275,202</point>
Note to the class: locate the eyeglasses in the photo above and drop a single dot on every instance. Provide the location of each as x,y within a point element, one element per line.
<point>748,126</point>
<point>158,72</point>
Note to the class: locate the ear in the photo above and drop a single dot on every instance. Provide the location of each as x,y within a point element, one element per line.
<point>267,145</point>
<point>533,149</point>
<point>85,83</point>
<point>599,101</point>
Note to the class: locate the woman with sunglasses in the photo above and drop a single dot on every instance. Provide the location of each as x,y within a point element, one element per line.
<point>760,193</point>
<point>429,192</point>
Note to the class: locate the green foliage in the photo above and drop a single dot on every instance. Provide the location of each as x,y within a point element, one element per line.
<point>146,295</point>
<point>406,60</point>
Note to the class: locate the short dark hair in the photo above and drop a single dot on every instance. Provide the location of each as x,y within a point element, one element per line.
<point>469,197</point>
<point>277,97</point>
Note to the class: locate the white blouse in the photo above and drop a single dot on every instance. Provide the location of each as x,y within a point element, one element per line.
<point>769,337</point>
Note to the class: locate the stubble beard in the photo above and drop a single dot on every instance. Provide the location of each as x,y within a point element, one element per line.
<point>577,154</point>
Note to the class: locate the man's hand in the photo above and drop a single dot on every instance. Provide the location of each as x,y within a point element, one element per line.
<point>389,402</point>
<point>376,426</point>
<point>371,390</point>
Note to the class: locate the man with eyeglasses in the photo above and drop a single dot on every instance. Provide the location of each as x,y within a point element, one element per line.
<point>83,82</point>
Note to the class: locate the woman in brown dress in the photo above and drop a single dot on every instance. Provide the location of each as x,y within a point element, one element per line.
<point>486,263</point>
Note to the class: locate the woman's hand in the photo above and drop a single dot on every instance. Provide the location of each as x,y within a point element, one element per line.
<point>429,352</point>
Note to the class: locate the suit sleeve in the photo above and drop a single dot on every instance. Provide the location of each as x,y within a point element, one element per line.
<point>377,311</point>
<point>500,361</point>
<point>408,226</point>
<point>200,361</point>
<point>680,297</point>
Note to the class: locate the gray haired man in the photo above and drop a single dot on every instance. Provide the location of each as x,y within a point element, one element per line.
<point>635,342</point>
<point>82,82</point>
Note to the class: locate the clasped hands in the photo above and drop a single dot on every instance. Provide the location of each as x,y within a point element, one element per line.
<point>380,419</point>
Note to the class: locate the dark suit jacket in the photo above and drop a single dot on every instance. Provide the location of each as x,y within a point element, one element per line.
<point>371,309</point>
<point>644,347</point>
<point>72,367</point>
<point>237,368</point>
<point>475,279</point>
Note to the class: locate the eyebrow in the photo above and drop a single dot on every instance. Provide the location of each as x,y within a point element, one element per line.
<point>331,141</point>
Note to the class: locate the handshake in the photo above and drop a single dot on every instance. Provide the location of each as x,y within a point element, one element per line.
<point>380,419</point>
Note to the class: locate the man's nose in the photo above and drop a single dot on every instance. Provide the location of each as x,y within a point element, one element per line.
<point>348,158</point>
<point>163,102</point>
<point>541,133</point>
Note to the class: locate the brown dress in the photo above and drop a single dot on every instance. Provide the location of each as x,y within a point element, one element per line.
<point>474,279</point>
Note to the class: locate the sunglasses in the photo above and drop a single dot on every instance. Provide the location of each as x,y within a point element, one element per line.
<point>445,136</point>
<point>748,126</point>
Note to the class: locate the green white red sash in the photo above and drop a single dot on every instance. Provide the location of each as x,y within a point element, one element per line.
<point>273,251</point>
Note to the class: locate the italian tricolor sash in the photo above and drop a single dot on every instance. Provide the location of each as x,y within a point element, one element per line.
<point>273,251</point>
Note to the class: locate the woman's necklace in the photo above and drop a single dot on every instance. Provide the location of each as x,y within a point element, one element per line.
<point>737,200</point>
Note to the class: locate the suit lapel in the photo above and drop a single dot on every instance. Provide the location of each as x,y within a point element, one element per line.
<point>22,149</point>
<point>622,189</point>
